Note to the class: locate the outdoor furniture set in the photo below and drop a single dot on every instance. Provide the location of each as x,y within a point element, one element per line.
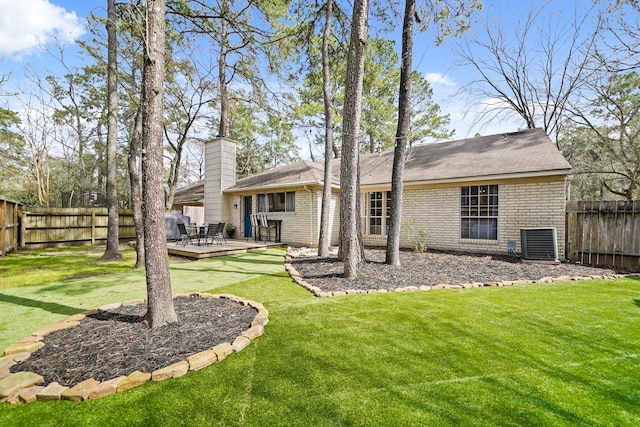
<point>207,235</point>
<point>259,222</point>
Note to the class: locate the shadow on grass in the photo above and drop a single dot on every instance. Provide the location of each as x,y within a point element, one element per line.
<point>72,288</point>
<point>48,306</point>
<point>235,271</point>
<point>250,260</point>
<point>637,301</point>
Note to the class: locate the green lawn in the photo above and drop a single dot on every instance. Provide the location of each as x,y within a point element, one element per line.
<point>554,354</point>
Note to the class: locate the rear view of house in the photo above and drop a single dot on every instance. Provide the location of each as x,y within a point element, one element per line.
<point>468,195</point>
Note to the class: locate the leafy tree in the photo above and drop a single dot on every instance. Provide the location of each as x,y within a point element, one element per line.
<point>427,120</point>
<point>12,163</point>
<point>131,70</point>
<point>401,143</point>
<point>279,143</point>
<point>380,89</point>
<point>112,251</point>
<point>612,148</point>
<point>351,250</point>
<point>441,11</point>
<point>244,129</point>
<point>189,91</point>
<point>38,132</point>
<point>580,148</point>
<point>242,35</point>
<point>160,309</point>
<point>324,237</point>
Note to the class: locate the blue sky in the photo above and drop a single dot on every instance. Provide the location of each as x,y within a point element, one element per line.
<point>28,25</point>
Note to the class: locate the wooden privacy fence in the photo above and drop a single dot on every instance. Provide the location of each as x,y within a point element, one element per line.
<point>9,225</point>
<point>43,227</point>
<point>604,233</point>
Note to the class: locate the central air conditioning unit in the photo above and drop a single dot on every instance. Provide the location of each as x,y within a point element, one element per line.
<point>539,244</point>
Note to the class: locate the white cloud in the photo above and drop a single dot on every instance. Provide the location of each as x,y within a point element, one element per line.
<point>440,79</point>
<point>27,24</point>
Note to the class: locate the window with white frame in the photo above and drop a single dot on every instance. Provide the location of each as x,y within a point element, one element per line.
<point>378,212</point>
<point>479,212</point>
<point>277,202</point>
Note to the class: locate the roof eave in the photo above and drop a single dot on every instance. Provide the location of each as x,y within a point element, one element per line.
<point>275,186</point>
<point>491,177</point>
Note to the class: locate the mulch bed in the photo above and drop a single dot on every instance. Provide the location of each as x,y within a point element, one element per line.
<point>109,344</point>
<point>430,268</point>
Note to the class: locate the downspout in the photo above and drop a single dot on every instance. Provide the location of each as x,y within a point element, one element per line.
<point>310,214</point>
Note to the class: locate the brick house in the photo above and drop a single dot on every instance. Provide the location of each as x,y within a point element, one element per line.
<point>470,195</point>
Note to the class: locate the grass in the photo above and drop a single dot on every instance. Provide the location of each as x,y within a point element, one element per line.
<point>37,267</point>
<point>557,354</point>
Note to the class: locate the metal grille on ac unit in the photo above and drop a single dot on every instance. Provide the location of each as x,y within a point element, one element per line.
<point>539,243</point>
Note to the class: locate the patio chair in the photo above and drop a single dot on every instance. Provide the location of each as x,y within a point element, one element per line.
<point>255,227</point>
<point>216,233</point>
<point>264,223</point>
<point>185,236</point>
<point>221,226</point>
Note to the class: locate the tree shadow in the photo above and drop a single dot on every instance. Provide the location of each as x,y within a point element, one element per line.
<point>637,302</point>
<point>47,306</point>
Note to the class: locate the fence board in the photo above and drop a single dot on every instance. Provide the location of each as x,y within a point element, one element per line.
<point>9,225</point>
<point>42,227</point>
<point>604,233</point>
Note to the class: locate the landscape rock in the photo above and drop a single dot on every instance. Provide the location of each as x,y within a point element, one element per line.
<point>80,391</point>
<point>8,361</point>
<point>32,338</point>
<point>240,343</point>
<point>260,319</point>
<point>52,391</point>
<point>106,388</point>
<point>202,359</point>
<point>25,347</point>
<point>30,394</point>
<point>223,350</point>
<point>254,332</point>
<point>171,371</point>
<point>16,382</point>
<point>110,307</point>
<point>134,379</point>
<point>76,317</point>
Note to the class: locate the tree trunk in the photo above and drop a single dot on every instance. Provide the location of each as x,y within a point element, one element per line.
<point>160,310</point>
<point>400,153</point>
<point>135,142</point>
<point>112,252</point>
<point>223,130</point>
<point>324,239</point>
<point>350,233</point>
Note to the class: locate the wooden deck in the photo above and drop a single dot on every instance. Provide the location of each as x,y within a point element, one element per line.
<point>232,246</point>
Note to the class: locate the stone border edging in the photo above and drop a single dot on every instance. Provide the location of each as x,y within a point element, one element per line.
<point>22,387</point>
<point>297,277</point>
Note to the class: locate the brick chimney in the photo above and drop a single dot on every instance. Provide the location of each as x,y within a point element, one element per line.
<point>219,174</point>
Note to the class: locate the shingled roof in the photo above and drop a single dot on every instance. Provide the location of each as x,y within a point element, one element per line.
<point>507,155</point>
<point>296,174</point>
<point>190,194</point>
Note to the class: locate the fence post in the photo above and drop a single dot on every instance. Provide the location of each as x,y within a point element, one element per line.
<point>3,228</point>
<point>93,226</point>
<point>16,224</point>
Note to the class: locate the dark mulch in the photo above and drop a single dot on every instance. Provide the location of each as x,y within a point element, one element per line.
<point>431,268</point>
<point>110,344</point>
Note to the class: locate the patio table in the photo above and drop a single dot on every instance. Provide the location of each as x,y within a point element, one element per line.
<point>197,232</point>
